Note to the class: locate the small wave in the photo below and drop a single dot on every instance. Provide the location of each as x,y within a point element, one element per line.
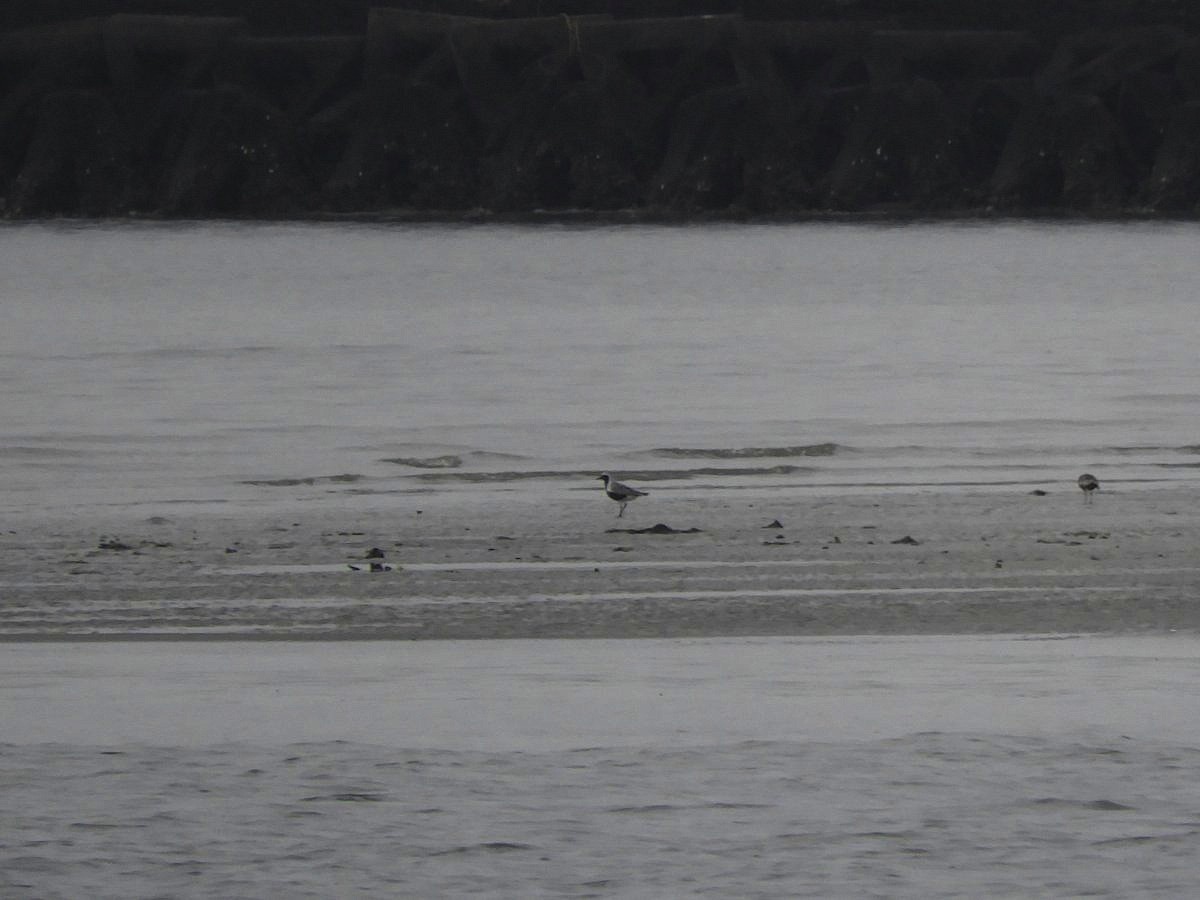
<point>1101,805</point>
<point>347,478</point>
<point>176,353</point>
<point>826,449</point>
<point>1183,399</point>
<point>1135,839</point>
<point>1150,448</point>
<point>347,797</point>
<point>677,807</point>
<point>448,461</point>
<point>572,475</point>
<point>493,454</point>
<point>486,847</point>
<point>26,452</point>
<point>92,440</point>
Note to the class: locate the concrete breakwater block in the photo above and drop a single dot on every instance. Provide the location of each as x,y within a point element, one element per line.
<point>433,113</point>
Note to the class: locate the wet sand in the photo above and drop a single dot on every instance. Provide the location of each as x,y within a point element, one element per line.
<point>547,695</point>
<point>557,563</point>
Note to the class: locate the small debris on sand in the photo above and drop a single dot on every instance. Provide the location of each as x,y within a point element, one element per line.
<point>374,567</point>
<point>907,539</point>
<point>660,528</point>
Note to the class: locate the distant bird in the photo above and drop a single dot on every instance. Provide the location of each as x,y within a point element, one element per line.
<point>621,493</point>
<point>1088,484</point>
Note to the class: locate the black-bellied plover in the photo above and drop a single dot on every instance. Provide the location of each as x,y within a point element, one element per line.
<point>1088,484</point>
<point>621,493</point>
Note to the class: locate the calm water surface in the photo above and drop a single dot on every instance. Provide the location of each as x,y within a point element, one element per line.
<point>153,363</point>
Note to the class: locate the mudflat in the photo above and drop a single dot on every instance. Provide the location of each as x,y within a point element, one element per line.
<point>558,563</point>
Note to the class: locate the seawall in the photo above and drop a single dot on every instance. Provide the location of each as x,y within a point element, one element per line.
<point>196,108</point>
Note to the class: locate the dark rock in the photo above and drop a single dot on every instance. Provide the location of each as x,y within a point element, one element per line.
<point>907,539</point>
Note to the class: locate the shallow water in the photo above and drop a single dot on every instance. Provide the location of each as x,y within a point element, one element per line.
<point>254,364</point>
<point>899,767</point>
<point>154,369</point>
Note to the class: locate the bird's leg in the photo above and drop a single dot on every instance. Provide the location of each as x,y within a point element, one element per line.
<point>621,511</point>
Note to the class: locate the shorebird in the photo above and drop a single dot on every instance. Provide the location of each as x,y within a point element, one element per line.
<point>621,493</point>
<point>1087,484</point>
